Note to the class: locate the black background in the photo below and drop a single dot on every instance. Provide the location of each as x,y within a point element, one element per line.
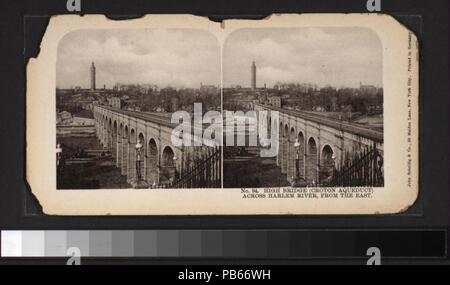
<point>22,24</point>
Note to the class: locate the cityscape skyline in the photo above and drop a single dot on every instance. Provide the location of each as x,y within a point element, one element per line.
<point>253,81</point>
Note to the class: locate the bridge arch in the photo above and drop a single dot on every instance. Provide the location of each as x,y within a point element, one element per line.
<point>327,154</point>
<point>291,154</point>
<point>125,134</point>
<point>141,157</point>
<point>327,163</point>
<point>141,138</point>
<point>311,162</point>
<point>132,139</point>
<point>301,139</point>
<point>125,138</point>
<point>114,140</point>
<point>301,155</point>
<point>105,132</point>
<point>284,148</point>
<point>115,126</point>
<point>152,162</point>
<point>292,134</point>
<point>132,135</point>
<point>119,159</point>
<point>152,148</point>
<point>327,149</point>
<point>168,165</point>
<point>280,144</point>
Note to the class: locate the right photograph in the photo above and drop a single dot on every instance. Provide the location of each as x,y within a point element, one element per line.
<point>303,107</point>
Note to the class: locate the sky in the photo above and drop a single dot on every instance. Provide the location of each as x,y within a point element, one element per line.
<point>339,57</point>
<point>171,57</point>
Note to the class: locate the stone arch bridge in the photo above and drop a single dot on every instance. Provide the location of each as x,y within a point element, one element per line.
<point>313,148</point>
<point>162,163</point>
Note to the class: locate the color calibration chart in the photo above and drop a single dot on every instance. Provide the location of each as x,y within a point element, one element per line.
<point>276,244</point>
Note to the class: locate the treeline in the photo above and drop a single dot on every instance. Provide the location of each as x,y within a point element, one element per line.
<point>71,108</point>
<point>334,101</point>
<point>171,100</point>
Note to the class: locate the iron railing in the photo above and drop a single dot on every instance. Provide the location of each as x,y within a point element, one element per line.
<point>204,173</point>
<point>363,169</point>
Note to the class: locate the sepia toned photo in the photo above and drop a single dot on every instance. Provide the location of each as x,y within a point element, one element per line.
<point>179,115</point>
<point>116,92</point>
<point>326,84</point>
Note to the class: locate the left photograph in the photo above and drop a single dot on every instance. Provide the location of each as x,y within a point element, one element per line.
<point>125,109</point>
